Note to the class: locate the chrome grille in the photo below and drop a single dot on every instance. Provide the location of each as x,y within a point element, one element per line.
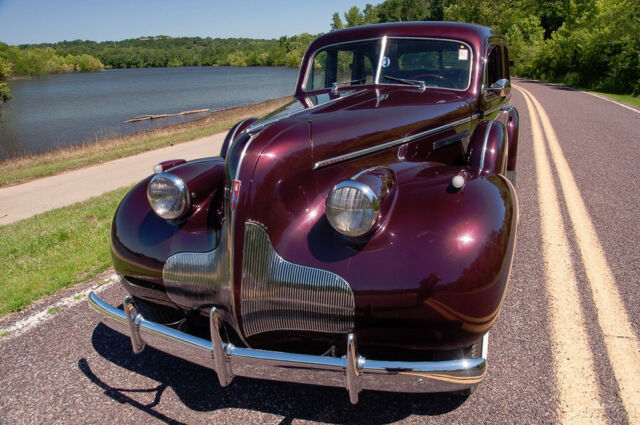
<point>279,295</point>
<point>194,279</point>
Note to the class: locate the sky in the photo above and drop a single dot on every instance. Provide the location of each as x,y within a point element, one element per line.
<point>39,21</point>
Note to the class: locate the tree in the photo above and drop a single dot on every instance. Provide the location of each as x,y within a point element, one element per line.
<point>336,22</point>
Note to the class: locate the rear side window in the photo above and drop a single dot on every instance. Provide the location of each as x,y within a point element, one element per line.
<point>496,66</point>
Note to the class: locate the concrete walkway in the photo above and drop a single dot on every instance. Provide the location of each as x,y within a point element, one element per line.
<point>25,200</point>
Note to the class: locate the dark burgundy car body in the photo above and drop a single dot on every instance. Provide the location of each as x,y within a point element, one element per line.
<point>427,282</point>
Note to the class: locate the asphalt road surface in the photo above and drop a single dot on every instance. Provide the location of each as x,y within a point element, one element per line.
<point>565,348</point>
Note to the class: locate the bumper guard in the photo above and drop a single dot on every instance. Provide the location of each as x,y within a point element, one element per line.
<point>352,371</point>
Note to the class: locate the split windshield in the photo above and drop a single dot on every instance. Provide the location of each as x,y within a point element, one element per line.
<point>434,63</point>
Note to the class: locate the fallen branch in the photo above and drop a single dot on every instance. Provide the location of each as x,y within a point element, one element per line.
<point>154,117</point>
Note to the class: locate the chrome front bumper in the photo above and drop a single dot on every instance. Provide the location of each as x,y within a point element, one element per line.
<point>352,371</point>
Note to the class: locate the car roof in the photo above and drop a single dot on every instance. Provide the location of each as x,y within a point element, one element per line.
<point>475,35</point>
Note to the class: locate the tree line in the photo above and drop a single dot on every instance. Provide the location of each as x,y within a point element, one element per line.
<point>593,44</point>
<point>36,61</point>
<point>144,52</point>
<point>586,43</point>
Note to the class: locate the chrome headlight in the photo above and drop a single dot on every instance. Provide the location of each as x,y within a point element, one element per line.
<point>168,196</point>
<point>352,208</point>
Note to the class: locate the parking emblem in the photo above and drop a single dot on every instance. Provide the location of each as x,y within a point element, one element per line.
<point>234,194</point>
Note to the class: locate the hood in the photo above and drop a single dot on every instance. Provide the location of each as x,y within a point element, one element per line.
<point>368,118</point>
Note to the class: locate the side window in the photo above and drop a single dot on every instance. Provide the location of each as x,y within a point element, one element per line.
<point>352,62</point>
<point>345,65</point>
<point>495,66</point>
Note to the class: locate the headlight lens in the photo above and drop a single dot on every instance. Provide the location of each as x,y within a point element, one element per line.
<point>352,208</point>
<point>168,196</point>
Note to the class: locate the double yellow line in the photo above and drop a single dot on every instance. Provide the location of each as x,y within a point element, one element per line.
<point>579,399</point>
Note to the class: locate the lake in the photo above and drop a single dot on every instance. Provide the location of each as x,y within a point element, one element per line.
<point>70,109</point>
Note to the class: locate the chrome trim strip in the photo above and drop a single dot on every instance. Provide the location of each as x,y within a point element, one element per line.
<point>383,49</point>
<point>235,131</point>
<point>279,295</point>
<point>366,374</point>
<point>451,140</point>
<point>390,144</point>
<point>484,146</point>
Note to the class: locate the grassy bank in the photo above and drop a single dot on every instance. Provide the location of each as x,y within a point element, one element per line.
<point>27,168</point>
<point>624,98</point>
<point>55,249</point>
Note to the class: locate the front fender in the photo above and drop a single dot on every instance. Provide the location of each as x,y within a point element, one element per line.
<point>141,241</point>
<point>488,148</point>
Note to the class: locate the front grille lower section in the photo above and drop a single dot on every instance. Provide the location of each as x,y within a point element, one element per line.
<point>195,279</point>
<point>278,295</point>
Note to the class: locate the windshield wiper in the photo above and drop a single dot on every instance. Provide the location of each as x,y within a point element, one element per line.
<point>335,87</point>
<point>420,84</point>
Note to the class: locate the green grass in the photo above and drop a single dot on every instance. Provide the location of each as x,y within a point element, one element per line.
<point>624,98</point>
<point>53,310</point>
<point>4,333</point>
<point>55,249</point>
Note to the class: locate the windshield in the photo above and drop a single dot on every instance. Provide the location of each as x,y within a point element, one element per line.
<point>436,63</point>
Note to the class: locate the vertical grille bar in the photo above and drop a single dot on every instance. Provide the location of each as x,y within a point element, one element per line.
<point>280,295</point>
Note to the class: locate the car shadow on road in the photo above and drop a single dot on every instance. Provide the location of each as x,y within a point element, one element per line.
<point>197,387</point>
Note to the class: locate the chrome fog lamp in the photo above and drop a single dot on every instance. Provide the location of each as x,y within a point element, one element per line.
<point>168,196</point>
<point>352,208</point>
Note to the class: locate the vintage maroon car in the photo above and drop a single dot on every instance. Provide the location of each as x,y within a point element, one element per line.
<point>360,237</point>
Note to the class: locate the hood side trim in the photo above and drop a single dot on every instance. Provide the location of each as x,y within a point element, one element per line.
<point>391,144</point>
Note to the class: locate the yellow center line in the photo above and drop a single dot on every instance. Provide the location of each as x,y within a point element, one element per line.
<point>576,380</point>
<point>622,344</point>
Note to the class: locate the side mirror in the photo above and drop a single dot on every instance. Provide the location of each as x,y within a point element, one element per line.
<point>502,88</point>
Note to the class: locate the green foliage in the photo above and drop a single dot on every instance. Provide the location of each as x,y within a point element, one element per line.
<point>587,43</point>
<point>164,51</point>
<point>410,10</point>
<point>6,68</point>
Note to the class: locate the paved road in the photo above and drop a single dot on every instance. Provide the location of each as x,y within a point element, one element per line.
<point>25,200</point>
<point>565,348</point>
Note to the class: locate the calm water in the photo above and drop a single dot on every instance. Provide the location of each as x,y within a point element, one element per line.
<point>70,109</point>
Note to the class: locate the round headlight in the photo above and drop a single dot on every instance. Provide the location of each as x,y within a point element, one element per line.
<point>352,208</point>
<point>168,196</point>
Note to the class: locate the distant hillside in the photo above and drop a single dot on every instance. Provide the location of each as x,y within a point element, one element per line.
<point>161,51</point>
